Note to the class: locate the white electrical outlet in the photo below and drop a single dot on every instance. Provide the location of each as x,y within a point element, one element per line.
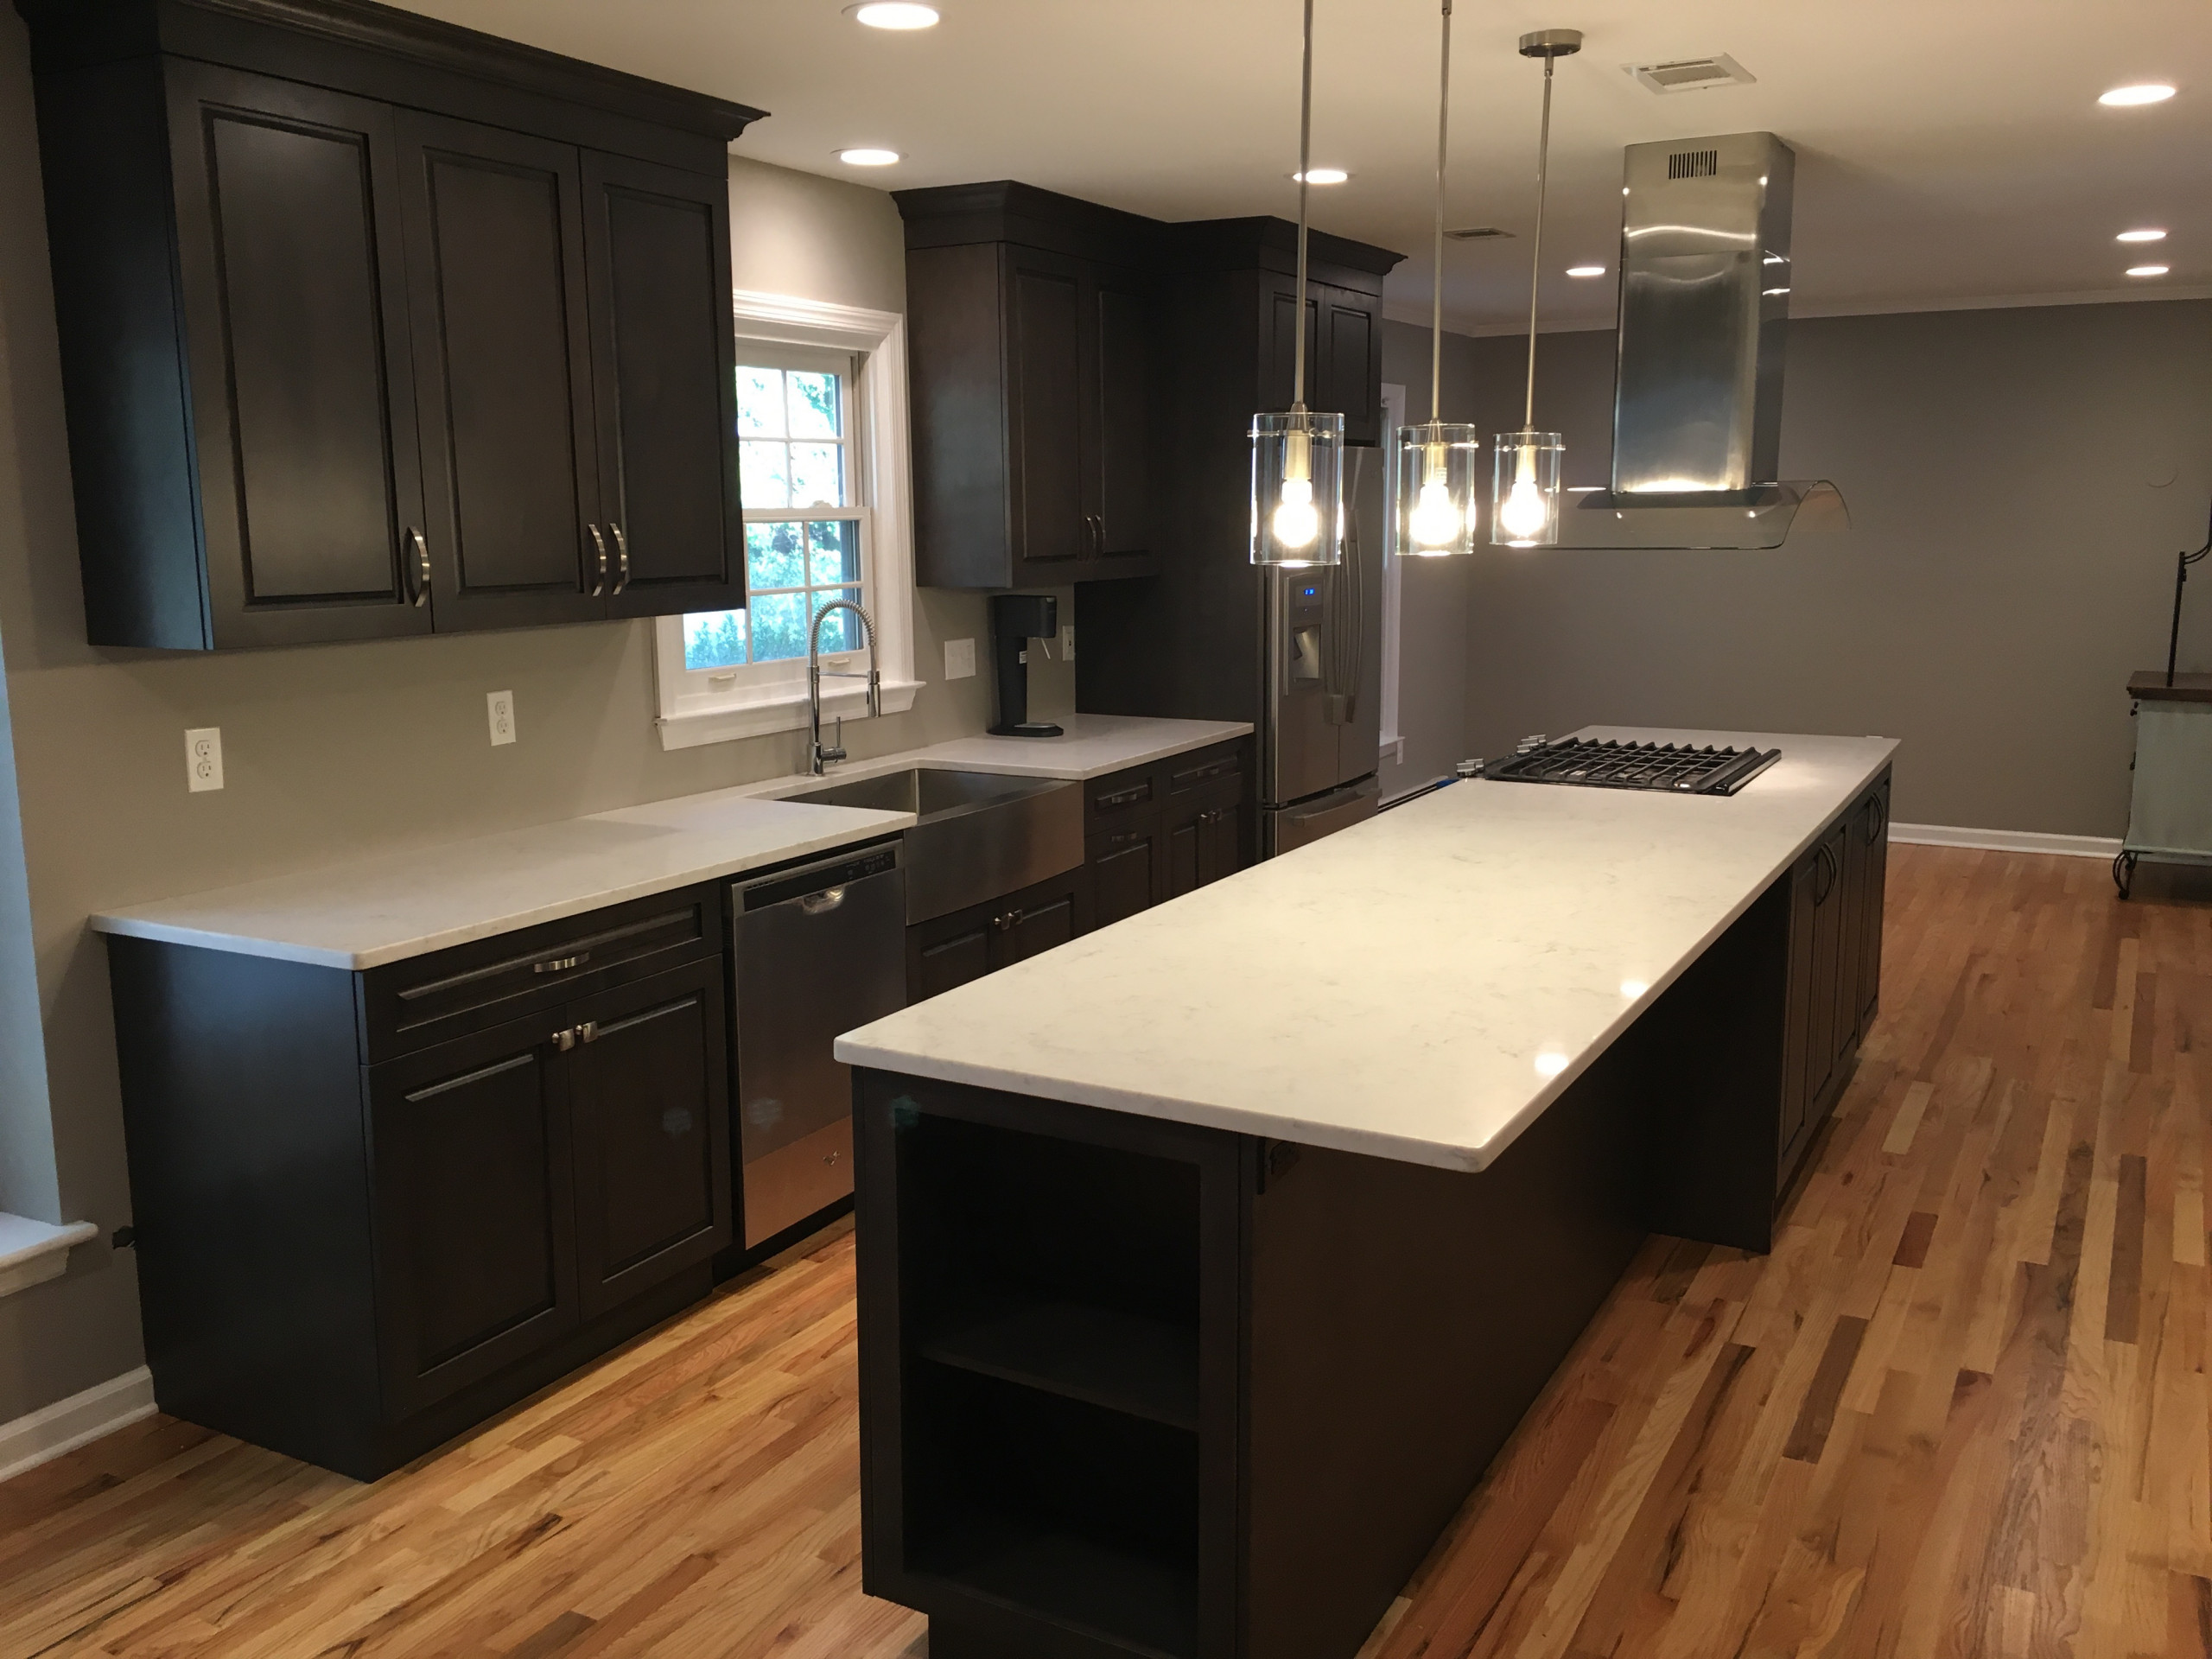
<point>1067,642</point>
<point>203,758</point>
<point>499,709</point>
<point>959,659</point>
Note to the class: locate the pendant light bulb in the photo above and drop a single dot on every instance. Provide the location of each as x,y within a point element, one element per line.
<point>1298,456</point>
<point>1436,521</point>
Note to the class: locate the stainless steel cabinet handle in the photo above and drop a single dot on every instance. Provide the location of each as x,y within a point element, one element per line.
<point>599,541</point>
<point>421,567</point>
<point>565,1040</point>
<point>559,965</point>
<point>589,1031</point>
<point>621,558</point>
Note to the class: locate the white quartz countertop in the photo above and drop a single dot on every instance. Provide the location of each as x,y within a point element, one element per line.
<point>402,904</point>
<point>1420,987</point>
<point>385,909</point>
<point>1090,746</point>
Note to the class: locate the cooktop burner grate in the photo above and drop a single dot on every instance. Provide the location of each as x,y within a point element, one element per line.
<point>1682,769</point>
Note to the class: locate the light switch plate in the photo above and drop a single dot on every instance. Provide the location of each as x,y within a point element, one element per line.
<point>1067,642</point>
<point>203,758</point>
<point>959,659</point>
<point>499,710</point>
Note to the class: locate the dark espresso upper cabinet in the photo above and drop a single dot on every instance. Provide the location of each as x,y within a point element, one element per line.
<point>656,246</point>
<point>1031,344</point>
<point>373,326</point>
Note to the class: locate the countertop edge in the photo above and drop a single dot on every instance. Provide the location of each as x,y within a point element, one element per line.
<point>124,925</point>
<point>1197,1114</point>
<point>930,758</point>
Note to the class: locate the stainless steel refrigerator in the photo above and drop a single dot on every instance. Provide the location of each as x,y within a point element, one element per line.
<point>1320,725</point>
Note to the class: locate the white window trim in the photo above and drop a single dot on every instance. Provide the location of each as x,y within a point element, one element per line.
<point>878,340</point>
<point>1393,416</point>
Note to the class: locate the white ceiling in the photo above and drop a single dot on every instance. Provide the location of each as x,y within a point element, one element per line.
<point>1949,151</point>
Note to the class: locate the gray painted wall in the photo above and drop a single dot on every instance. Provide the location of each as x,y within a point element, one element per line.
<point>2019,481</point>
<point>331,753</point>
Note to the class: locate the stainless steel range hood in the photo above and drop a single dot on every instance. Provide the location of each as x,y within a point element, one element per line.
<point>1704,317</point>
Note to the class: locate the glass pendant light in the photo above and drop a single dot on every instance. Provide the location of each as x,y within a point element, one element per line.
<point>1297,458</point>
<point>1438,462</point>
<point>1525,478</point>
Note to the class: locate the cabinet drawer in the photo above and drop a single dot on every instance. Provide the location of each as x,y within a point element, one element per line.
<point>432,998</point>
<point>1206,768</point>
<point>1120,795</point>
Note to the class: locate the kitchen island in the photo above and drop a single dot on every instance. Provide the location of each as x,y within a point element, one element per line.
<point>1186,1325</point>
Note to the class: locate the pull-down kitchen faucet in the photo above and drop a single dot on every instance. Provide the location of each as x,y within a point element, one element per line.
<point>817,756</point>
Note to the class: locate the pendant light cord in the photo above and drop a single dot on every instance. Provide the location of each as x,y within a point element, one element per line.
<point>1536,254</point>
<point>1305,167</point>
<point>1443,122</point>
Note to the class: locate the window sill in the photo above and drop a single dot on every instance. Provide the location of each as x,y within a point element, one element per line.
<point>783,709</point>
<point>32,1252</point>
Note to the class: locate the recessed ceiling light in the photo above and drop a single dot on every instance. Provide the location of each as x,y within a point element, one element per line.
<point>1586,270</point>
<point>2125,96</point>
<point>2142,236</point>
<point>2146,271</point>
<point>1321,175</point>
<point>865,157</point>
<point>893,13</point>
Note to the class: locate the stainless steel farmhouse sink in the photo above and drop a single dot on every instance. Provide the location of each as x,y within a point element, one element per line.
<point>978,835</point>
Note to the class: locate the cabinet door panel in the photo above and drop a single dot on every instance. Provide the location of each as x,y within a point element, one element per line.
<point>1030,931</point>
<point>1277,367</point>
<point>941,962</point>
<point>1047,322</point>
<point>1351,377</point>
<point>1869,942</point>
<point>1223,849</point>
<point>495,249</point>
<point>1124,420</point>
<point>289,253</point>
<point>1123,875</point>
<point>1186,858</point>
<point>664,375</point>
<point>1797,1010</point>
<point>651,1107</point>
<point>474,1209</point>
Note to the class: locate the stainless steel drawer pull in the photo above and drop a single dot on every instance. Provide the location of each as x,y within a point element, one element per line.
<point>560,964</point>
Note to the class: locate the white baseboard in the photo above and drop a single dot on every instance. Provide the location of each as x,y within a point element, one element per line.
<point>79,1420</point>
<point>2007,841</point>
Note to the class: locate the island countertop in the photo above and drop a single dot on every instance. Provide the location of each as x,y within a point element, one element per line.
<point>1421,987</point>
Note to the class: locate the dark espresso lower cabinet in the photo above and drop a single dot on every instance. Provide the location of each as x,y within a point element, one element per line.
<point>1798,978</point>
<point>374,1208</point>
<point>952,950</point>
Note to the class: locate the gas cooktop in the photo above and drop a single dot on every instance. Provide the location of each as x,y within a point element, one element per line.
<point>1682,769</point>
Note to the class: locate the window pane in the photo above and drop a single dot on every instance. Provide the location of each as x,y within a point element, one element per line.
<point>763,473</point>
<point>714,639</point>
<point>778,628</point>
<point>842,630</point>
<point>835,549</point>
<point>814,407</point>
<point>817,475</point>
<point>773,557</point>
<point>761,403</point>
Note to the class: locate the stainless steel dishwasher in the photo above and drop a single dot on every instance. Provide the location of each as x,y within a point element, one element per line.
<point>816,951</point>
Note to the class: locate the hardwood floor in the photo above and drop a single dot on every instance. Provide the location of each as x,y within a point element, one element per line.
<point>1961,1410</point>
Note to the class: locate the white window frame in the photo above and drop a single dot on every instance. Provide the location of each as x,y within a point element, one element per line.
<point>1393,416</point>
<point>755,705</point>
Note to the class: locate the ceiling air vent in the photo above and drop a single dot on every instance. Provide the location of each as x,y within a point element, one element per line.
<point>1692,74</point>
<point>1694,164</point>
<point>1478,233</point>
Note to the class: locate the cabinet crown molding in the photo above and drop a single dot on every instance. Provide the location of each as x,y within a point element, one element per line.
<point>76,34</point>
